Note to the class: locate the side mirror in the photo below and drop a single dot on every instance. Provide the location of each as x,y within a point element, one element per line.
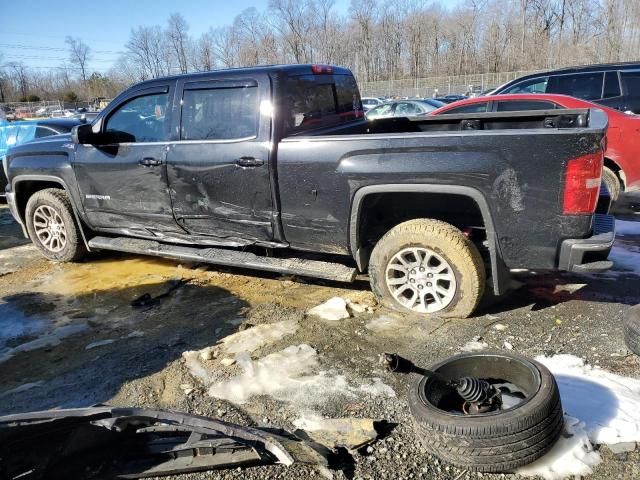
<point>83,134</point>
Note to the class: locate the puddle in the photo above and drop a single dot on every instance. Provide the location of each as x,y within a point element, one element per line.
<point>15,325</point>
<point>111,274</point>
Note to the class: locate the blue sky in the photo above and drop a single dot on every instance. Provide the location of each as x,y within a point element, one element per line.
<point>34,31</point>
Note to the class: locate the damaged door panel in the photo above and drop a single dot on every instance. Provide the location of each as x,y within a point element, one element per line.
<point>105,442</point>
<point>123,182</point>
<point>219,169</point>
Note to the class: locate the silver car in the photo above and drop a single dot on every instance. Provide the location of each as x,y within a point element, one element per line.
<point>404,108</point>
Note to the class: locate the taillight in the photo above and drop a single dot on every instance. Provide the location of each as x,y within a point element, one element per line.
<point>321,69</point>
<point>582,184</point>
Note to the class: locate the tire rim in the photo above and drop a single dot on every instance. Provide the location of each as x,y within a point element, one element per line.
<point>49,228</point>
<point>421,280</point>
<point>510,374</point>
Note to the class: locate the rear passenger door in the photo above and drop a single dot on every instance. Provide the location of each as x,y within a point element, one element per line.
<point>218,170</point>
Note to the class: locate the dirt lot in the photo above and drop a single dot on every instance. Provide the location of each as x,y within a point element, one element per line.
<point>70,337</point>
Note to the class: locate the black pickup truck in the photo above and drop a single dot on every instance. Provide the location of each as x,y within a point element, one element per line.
<point>276,168</point>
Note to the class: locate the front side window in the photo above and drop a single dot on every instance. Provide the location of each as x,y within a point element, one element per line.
<point>142,119</point>
<point>587,86</point>
<point>533,85</point>
<point>220,113</point>
<point>520,105</point>
<point>480,107</point>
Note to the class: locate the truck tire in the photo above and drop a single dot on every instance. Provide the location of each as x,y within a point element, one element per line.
<point>493,442</point>
<point>610,179</point>
<point>631,326</point>
<point>427,267</point>
<point>52,226</point>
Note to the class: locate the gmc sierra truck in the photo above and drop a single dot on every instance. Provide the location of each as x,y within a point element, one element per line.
<point>276,168</point>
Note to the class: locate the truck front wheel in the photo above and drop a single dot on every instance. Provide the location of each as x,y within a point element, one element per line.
<point>51,226</point>
<point>427,267</point>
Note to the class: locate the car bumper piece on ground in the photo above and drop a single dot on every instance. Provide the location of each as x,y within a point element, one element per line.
<point>589,255</point>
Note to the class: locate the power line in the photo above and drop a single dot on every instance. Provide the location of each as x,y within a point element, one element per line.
<point>53,49</point>
<point>62,59</point>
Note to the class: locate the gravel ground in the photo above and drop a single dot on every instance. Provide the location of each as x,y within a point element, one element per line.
<point>143,365</point>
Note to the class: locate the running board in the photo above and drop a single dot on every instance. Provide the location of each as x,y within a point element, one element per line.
<point>230,258</point>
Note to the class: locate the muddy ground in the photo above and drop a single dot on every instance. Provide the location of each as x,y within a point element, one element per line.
<point>69,337</point>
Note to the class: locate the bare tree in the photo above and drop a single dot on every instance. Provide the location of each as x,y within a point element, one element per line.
<point>179,41</point>
<point>145,49</point>
<point>79,55</point>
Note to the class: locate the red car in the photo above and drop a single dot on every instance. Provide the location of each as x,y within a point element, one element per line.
<point>621,171</point>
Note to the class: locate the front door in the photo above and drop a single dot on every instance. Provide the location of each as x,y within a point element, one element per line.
<point>219,169</point>
<point>124,184</point>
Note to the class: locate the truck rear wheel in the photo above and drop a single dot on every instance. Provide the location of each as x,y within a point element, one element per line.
<point>610,179</point>
<point>52,227</point>
<point>427,267</point>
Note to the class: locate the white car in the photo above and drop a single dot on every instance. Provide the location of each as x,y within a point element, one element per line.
<point>370,102</point>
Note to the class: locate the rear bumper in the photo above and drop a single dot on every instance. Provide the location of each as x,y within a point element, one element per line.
<point>589,255</point>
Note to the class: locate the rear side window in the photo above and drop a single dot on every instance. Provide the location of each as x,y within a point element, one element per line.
<point>220,113</point>
<point>611,85</point>
<point>519,105</point>
<point>587,86</point>
<point>317,101</point>
<point>533,85</point>
<point>631,83</point>
<point>44,132</point>
<point>470,108</point>
<point>407,109</point>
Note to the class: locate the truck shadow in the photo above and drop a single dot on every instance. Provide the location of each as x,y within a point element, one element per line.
<point>546,290</point>
<point>62,351</point>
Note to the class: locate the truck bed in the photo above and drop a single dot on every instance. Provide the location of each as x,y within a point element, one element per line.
<point>513,162</point>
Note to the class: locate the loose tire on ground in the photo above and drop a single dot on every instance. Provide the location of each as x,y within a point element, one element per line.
<point>610,179</point>
<point>54,203</point>
<point>449,245</point>
<point>493,442</point>
<point>631,329</point>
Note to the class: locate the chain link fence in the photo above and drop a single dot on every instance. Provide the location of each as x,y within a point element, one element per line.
<point>440,86</point>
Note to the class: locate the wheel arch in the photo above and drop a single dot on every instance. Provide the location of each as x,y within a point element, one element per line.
<point>617,169</point>
<point>499,272</point>
<point>24,186</point>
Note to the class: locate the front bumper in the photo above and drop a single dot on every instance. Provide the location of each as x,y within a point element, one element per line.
<point>589,255</point>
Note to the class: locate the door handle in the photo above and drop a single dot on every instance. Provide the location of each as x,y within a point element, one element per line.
<point>150,162</point>
<point>249,162</point>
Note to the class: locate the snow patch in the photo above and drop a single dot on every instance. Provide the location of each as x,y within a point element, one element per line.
<point>382,323</point>
<point>195,367</point>
<point>51,339</point>
<point>288,375</point>
<point>572,454</point>
<point>601,408</point>
<point>99,343</point>
<point>253,338</point>
<point>21,388</point>
<point>333,309</point>
<point>625,260</point>
<point>627,228</point>
<point>606,402</point>
<point>474,346</point>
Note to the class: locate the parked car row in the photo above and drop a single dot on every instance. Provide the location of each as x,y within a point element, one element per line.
<point>621,170</point>
<point>16,133</point>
